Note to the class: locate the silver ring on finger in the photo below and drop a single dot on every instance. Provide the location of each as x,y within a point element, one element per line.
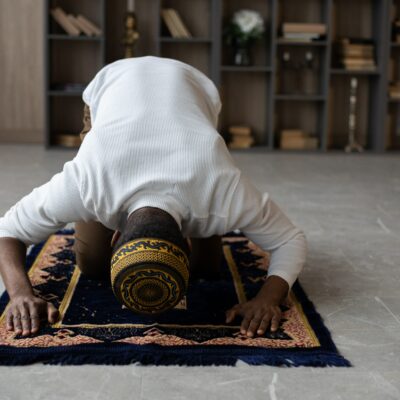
<point>16,316</point>
<point>25,317</point>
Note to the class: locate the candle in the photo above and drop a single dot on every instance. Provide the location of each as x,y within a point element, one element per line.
<point>131,5</point>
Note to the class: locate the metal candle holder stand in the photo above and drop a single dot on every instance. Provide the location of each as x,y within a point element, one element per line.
<point>352,142</point>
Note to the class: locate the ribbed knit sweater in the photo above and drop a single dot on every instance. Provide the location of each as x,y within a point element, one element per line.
<point>154,142</point>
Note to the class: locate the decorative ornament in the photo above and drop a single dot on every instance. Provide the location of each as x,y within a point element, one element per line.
<point>352,142</point>
<point>131,35</point>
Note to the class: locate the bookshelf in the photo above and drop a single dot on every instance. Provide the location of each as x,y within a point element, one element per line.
<point>255,95</point>
<point>72,60</point>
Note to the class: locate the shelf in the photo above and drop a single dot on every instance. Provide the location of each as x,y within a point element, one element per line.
<point>53,146</point>
<point>300,97</point>
<point>53,36</point>
<point>253,68</point>
<point>167,39</point>
<point>341,71</point>
<point>282,42</point>
<point>251,88</point>
<point>64,92</point>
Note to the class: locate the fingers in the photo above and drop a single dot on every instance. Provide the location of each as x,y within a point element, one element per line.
<point>17,322</point>
<point>10,323</point>
<point>254,324</point>
<point>52,313</point>
<point>35,319</point>
<point>263,326</point>
<point>276,318</point>
<point>231,314</point>
<point>25,320</point>
<point>245,324</point>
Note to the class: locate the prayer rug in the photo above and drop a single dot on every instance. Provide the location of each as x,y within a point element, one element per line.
<point>95,329</point>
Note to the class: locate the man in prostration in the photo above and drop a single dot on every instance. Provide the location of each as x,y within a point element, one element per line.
<point>151,190</point>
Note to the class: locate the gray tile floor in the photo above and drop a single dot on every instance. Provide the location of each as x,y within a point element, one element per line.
<point>349,207</point>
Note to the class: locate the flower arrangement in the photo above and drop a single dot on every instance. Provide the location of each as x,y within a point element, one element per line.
<point>245,27</point>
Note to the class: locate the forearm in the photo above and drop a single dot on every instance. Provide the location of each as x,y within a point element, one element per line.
<point>287,261</point>
<point>12,267</point>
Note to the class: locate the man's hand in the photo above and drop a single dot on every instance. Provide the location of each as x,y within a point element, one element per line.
<point>257,316</point>
<point>262,311</point>
<point>25,313</point>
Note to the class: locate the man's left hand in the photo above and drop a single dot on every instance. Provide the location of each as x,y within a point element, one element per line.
<point>257,314</point>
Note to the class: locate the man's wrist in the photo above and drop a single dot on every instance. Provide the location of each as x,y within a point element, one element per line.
<point>275,290</point>
<point>20,291</point>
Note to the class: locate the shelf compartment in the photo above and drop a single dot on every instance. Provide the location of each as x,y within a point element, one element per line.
<point>68,37</point>
<point>248,95</point>
<point>252,68</point>
<point>168,39</point>
<point>300,97</point>
<point>260,51</point>
<point>65,92</point>
<point>67,115</point>
<point>199,58</point>
<point>190,12</point>
<point>88,8</point>
<point>339,102</point>
<point>87,60</point>
<point>306,116</point>
<point>317,43</point>
<point>342,71</point>
<point>300,70</point>
<point>393,126</point>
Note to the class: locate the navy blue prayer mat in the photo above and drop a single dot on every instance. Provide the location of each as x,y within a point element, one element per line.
<point>95,329</point>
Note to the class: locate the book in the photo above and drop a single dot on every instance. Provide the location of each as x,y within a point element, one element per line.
<point>306,143</point>
<point>170,23</point>
<point>62,19</point>
<point>241,143</point>
<point>291,27</point>
<point>81,26</point>
<point>292,133</point>
<point>90,25</point>
<point>296,139</point>
<point>356,54</point>
<point>304,37</point>
<point>67,140</point>
<point>184,32</point>
<point>239,130</point>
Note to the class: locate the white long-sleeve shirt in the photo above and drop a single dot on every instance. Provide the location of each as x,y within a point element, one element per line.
<point>154,142</point>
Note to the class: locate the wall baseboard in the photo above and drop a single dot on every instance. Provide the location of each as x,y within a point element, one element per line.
<point>19,136</point>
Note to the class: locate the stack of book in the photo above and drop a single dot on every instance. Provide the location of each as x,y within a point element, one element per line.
<point>74,25</point>
<point>174,23</point>
<point>67,140</point>
<point>296,139</point>
<point>356,54</point>
<point>394,90</point>
<point>302,32</point>
<point>240,137</point>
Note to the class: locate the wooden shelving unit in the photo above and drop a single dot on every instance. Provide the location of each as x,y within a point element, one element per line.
<point>251,95</point>
<point>70,59</point>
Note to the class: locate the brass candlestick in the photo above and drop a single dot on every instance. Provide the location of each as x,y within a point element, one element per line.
<point>131,35</point>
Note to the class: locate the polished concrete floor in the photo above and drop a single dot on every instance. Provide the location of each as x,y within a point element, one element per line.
<point>349,208</point>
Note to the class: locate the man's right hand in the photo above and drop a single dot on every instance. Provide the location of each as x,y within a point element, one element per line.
<point>24,314</point>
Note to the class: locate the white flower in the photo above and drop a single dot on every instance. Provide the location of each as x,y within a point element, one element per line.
<point>248,21</point>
